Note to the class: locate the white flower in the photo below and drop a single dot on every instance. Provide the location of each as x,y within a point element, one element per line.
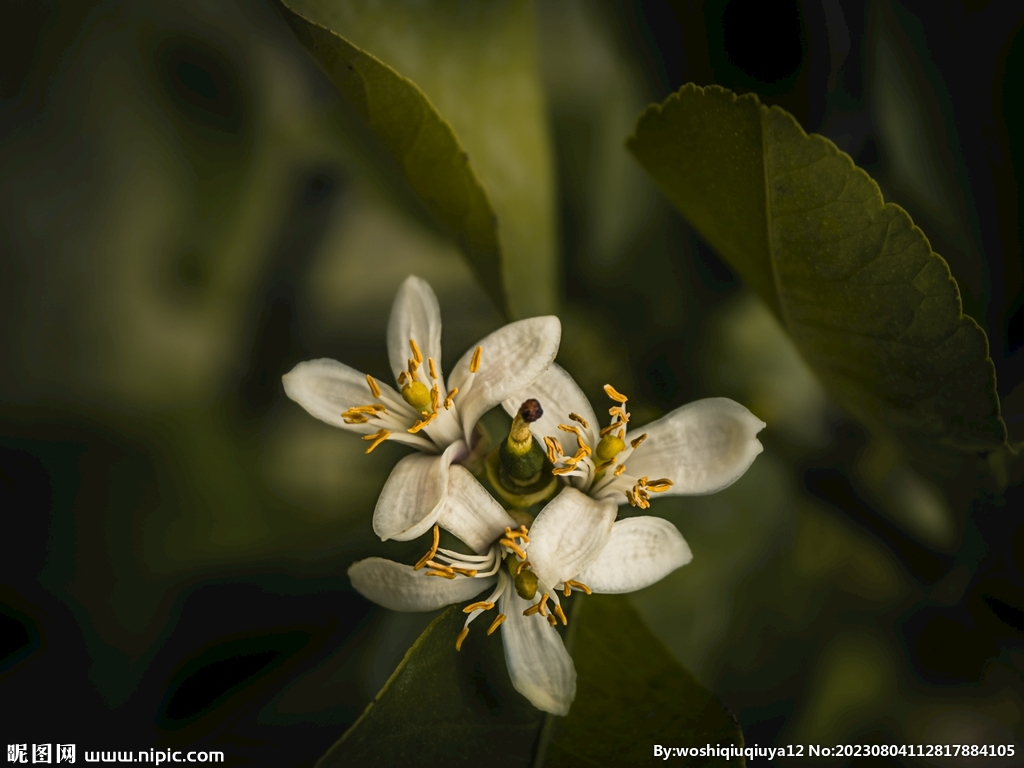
<point>439,420</point>
<point>568,547</point>
<point>699,448</point>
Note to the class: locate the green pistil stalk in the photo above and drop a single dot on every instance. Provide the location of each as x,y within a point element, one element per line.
<point>518,469</point>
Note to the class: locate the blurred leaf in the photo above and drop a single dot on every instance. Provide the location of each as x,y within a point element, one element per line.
<point>440,704</point>
<point>872,309</point>
<point>631,695</point>
<point>454,92</point>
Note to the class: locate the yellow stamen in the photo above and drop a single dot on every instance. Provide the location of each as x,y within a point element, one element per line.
<point>616,396</point>
<point>402,378</point>
<point>552,620</point>
<point>522,565</point>
<point>621,413</point>
<point>460,638</point>
<point>440,567</point>
<point>421,423</point>
<point>610,428</point>
<point>496,623</point>
<point>465,571</point>
<point>433,550</point>
<point>474,363</point>
<point>519,534</point>
<point>580,585</point>
<point>416,354</point>
<point>413,367</point>
<point>451,398</point>
<point>660,485</point>
<point>483,605</point>
<point>563,470</point>
<point>636,442</point>
<point>378,438</point>
<point>551,450</point>
<point>514,547</point>
<point>354,418</point>
<point>543,604</point>
<point>566,589</point>
<point>435,397</point>
<point>579,419</point>
<point>619,470</point>
<point>432,367</point>
<point>572,430</point>
<point>442,574</point>
<point>604,465</point>
<point>535,608</point>
<point>373,385</point>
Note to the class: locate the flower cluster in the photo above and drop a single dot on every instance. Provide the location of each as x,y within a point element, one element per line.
<point>582,475</point>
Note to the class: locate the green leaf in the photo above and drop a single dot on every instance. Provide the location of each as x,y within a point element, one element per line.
<point>453,91</point>
<point>631,694</point>
<point>873,310</point>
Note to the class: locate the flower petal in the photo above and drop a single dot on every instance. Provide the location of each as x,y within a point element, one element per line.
<point>327,388</point>
<point>641,551</point>
<point>540,667</point>
<point>471,513</point>
<point>568,535</point>
<point>511,359</point>
<point>415,315</point>
<point>702,447</point>
<point>413,497</point>
<point>399,588</point>
<point>559,395</point>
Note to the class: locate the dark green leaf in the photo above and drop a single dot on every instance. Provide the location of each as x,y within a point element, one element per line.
<point>440,704</point>
<point>631,695</point>
<point>453,91</point>
<point>873,310</point>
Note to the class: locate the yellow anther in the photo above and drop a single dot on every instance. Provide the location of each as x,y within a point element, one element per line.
<point>421,423</point>
<point>561,615</point>
<point>474,363</point>
<point>518,534</point>
<point>432,368</point>
<point>522,565</point>
<point>552,620</point>
<point>378,438</point>
<point>402,378</point>
<point>435,397</point>
<point>514,547</point>
<point>433,550</point>
<point>416,354</point>
<point>354,418</point>
<point>616,396</point>
<point>636,441</point>
<point>465,571</point>
<point>483,605</point>
<point>374,388</point>
<point>543,604</point>
<point>563,470</point>
<point>496,623</point>
<point>413,367</point>
<point>580,585</point>
<point>451,398</point>
<point>581,454</point>
<point>621,413</point>
<point>460,638</point>
<point>610,428</point>
<point>566,589</point>
<point>629,495</point>
<point>572,430</point>
<point>580,420</point>
<point>440,567</point>
<point>660,485</point>
<point>535,608</point>
<point>619,470</point>
<point>442,574</point>
<point>551,450</point>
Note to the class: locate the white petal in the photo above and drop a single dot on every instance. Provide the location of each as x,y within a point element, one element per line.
<point>415,315</point>
<point>471,513</point>
<point>559,395</point>
<point>641,551</point>
<point>568,534</point>
<point>540,667</point>
<point>511,359</point>
<point>400,588</point>
<point>414,495</point>
<point>702,447</point>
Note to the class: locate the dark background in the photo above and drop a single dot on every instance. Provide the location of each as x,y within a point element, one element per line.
<point>182,220</point>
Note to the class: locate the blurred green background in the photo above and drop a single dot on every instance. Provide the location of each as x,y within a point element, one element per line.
<point>187,209</point>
